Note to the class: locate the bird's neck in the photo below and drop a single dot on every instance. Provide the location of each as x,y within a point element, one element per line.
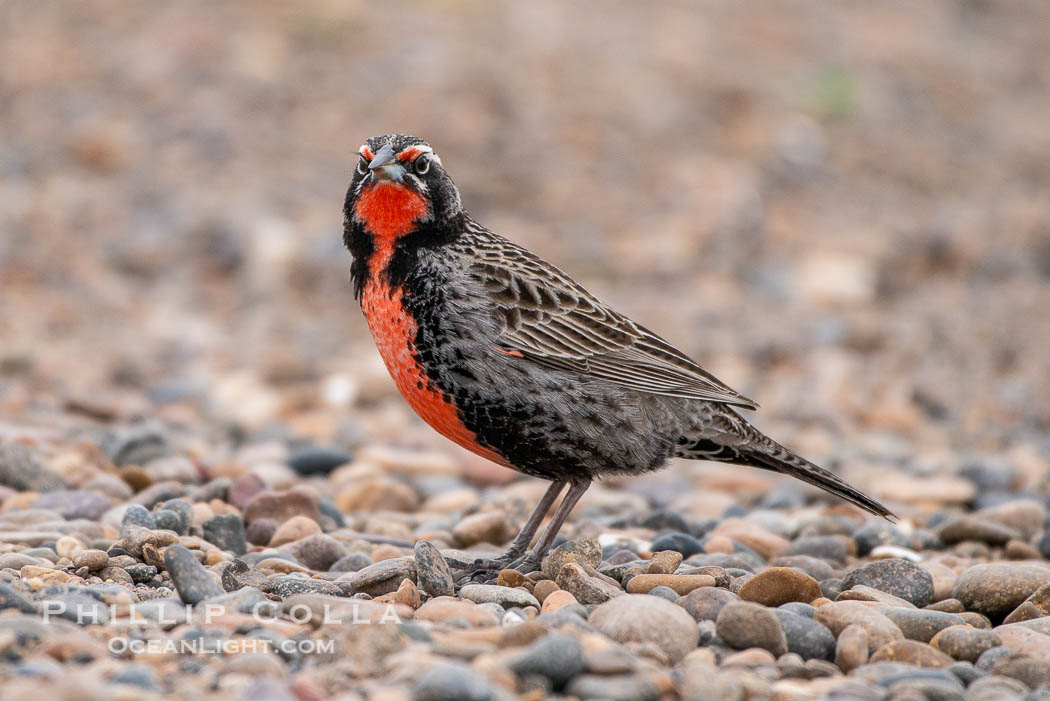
<point>389,211</point>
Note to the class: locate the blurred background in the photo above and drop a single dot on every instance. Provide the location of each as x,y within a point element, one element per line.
<point>840,209</point>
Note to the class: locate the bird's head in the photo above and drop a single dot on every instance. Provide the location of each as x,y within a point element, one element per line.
<point>399,186</point>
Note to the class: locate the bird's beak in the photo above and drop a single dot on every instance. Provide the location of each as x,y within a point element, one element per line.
<point>385,166</point>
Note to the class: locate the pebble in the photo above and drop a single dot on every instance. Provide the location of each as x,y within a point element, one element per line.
<point>851,648</point>
<point>680,584</point>
<point>281,506</point>
<point>806,637</point>
<point>920,624</point>
<point>492,593</point>
<point>861,592</point>
<point>452,682</point>
<point>664,562</point>
<point>682,543</point>
<point>226,532</point>
<point>898,577</point>
<point>295,528</point>
<point>616,687</point>
<point>587,589</point>
<point>168,520</point>
<point>261,531</point>
<point>74,504</point>
<point>557,657</point>
<point>318,552</point>
<point>433,575</point>
<point>352,563</point>
<point>16,561</point>
<point>706,603</point>
<point>11,598</point>
<point>383,577</point>
<point>586,551</point>
<point>831,548</point>
<point>557,600</point>
<point>317,460</point>
<point>193,583</point>
<point>972,527</point>
<point>780,585</point>
<point>1026,516</point>
<point>839,614</point>
<point>745,625</point>
<point>1033,672</point>
<point>813,566</point>
<point>444,608</point>
<point>136,515</point>
<point>647,619</point>
<point>486,527</point>
<point>544,588</point>
<point>911,652</point>
<point>995,589</point>
<point>965,643</point>
<point>91,559</point>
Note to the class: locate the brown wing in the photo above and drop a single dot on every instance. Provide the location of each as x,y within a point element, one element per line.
<point>549,318</point>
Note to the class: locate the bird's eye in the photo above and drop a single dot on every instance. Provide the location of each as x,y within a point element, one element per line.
<point>362,166</point>
<point>422,165</point>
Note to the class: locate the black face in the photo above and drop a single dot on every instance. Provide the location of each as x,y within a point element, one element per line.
<point>409,162</point>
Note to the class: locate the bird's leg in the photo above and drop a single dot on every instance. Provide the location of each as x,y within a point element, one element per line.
<point>521,541</point>
<point>531,561</point>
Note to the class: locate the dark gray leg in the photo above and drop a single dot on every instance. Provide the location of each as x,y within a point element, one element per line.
<point>532,561</point>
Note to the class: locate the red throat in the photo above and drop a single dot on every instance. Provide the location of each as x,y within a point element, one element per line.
<point>389,211</point>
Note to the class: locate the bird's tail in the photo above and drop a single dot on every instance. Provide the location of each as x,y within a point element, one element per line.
<point>763,452</point>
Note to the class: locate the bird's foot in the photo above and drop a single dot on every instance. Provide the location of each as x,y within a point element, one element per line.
<point>485,571</point>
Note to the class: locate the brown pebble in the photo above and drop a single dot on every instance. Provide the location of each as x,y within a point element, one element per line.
<point>510,578</point>
<point>543,589</point>
<point>851,649</point>
<point>948,606</point>
<point>681,583</point>
<point>976,620</point>
<point>1020,550</point>
<point>911,652</point>
<point>92,559</point>
<point>407,594</point>
<point>295,528</point>
<point>861,592</point>
<point>964,642</point>
<point>664,562</point>
<point>556,600</point>
<point>780,585</point>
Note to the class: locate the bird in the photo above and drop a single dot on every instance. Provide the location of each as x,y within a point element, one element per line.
<point>511,358</point>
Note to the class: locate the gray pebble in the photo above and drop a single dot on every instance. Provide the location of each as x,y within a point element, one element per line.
<point>805,636</point>
<point>433,575</point>
<point>557,657</point>
<point>226,531</point>
<point>452,682</point>
<point>192,581</point>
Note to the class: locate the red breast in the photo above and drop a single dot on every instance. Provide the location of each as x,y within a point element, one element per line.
<point>390,211</point>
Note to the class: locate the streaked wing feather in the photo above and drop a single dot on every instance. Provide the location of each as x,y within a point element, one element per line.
<point>552,320</point>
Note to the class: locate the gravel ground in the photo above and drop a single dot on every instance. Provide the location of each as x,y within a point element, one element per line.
<point>210,489</point>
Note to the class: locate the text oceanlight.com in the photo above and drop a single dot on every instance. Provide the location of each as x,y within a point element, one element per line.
<point>211,646</point>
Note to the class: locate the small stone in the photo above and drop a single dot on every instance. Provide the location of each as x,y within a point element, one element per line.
<point>682,543</point>
<point>586,551</point>
<point>433,575</point>
<point>295,528</point>
<point>861,592</point>
<point>1026,516</point>
<point>407,594</point>
<point>452,682</point>
<point>911,652</point>
<point>22,467</point>
<point>1033,672</point>
<point>383,577</point>
<point>705,603</point>
<point>744,624</point>
<point>543,589</point>
<point>487,527</point>
<point>281,506</point>
<point>806,637</point>
<point>838,615</point>
<point>574,579</point>
<point>74,504</point>
<point>898,577</point>
<point>318,552</point>
<point>290,585</point>
<point>317,461</point>
<point>664,562</point>
<point>995,589</point>
<point>192,581</point>
<point>557,657</point>
<point>920,624</point>
<point>647,619</point>
<point>681,584</point>
<point>556,600</point>
<point>10,598</point>
<point>226,532</point>
<point>779,585</point>
<point>1022,639</point>
<point>92,559</point>
<point>504,596</point>
<point>141,574</point>
<point>351,563</point>
<point>971,527</point>
<point>137,515</point>
<point>261,531</point>
<point>965,643</point>
<point>616,687</point>
<point>444,608</point>
<point>243,489</point>
<point>510,578</point>
<point>168,520</point>
<point>851,650</point>
<point>830,548</point>
<point>815,567</point>
<point>377,493</point>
